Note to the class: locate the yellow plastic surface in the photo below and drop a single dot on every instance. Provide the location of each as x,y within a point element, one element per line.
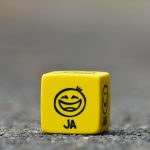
<point>75,102</point>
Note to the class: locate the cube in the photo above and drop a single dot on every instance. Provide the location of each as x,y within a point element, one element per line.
<point>75,102</point>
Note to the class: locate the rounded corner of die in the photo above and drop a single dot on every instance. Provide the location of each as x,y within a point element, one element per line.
<point>107,74</point>
<point>97,130</point>
<point>43,128</point>
<point>42,78</point>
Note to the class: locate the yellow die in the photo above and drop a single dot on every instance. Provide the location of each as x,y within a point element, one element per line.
<point>75,102</point>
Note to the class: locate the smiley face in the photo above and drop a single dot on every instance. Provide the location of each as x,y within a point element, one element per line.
<point>105,99</point>
<point>70,102</point>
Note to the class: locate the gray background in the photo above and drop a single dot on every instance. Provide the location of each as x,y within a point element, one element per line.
<point>41,36</point>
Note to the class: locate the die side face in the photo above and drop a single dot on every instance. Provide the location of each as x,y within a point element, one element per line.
<point>105,103</point>
<point>71,104</point>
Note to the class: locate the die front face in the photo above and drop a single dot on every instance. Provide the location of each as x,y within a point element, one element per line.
<point>75,102</point>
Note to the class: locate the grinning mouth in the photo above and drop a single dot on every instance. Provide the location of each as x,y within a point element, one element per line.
<point>70,107</point>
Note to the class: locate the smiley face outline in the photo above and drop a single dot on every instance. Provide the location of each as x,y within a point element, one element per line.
<point>105,100</point>
<point>60,102</point>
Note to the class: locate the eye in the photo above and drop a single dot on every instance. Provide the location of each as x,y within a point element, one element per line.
<point>65,97</point>
<point>74,97</point>
<point>105,93</point>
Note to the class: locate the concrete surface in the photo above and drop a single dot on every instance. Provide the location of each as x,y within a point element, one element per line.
<point>29,136</point>
<point>40,36</point>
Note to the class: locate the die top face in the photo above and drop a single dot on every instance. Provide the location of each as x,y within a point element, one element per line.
<point>77,73</point>
<point>75,102</point>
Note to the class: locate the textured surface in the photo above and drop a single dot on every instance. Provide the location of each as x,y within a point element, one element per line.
<point>40,36</point>
<point>29,137</point>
